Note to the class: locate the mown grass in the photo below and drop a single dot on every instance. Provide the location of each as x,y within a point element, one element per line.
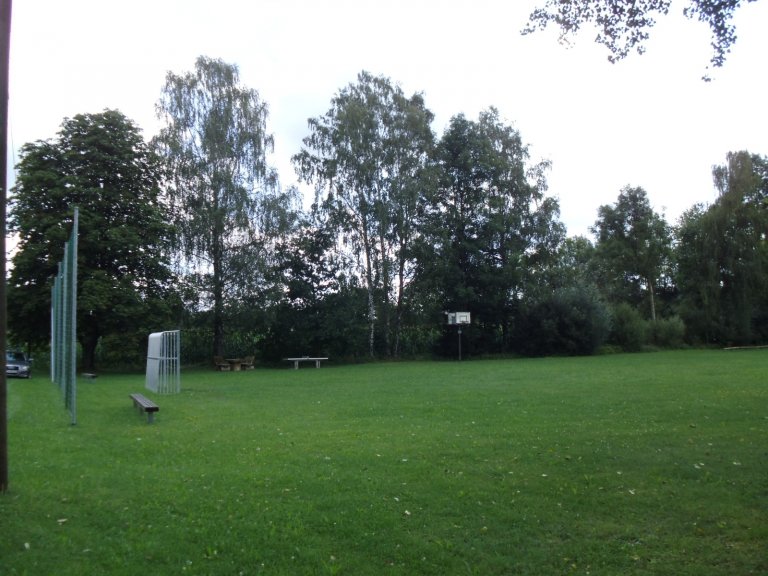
<point>627,464</point>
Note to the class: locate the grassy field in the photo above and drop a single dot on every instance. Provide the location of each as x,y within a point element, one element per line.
<point>627,464</point>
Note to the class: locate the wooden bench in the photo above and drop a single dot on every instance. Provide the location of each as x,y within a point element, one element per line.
<point>89,375</point>
<point>304,359</point>
<point>220,364</point>
<point>247,363</point>
<point>145,404</point>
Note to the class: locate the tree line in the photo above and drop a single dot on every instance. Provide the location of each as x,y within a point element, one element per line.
<point>192,230</point>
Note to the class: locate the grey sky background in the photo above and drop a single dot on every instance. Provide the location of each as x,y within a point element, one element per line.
<point>648,121</point>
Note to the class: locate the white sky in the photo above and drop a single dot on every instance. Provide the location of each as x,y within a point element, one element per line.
<point>648,121</point>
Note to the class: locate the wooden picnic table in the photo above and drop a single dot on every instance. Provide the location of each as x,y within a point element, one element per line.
<point>304,359</point>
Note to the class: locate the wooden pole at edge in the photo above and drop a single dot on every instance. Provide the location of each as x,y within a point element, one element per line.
<point>5,58</point>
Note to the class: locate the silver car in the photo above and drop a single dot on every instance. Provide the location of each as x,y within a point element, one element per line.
<point>17,365</point>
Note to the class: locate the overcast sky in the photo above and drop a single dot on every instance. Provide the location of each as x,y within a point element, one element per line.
<point>648,121</point>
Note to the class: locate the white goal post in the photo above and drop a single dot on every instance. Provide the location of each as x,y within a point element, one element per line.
<point>163,359</point>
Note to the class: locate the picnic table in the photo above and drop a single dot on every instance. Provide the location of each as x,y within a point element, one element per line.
<point>304,359</point>
<point>235,364</point>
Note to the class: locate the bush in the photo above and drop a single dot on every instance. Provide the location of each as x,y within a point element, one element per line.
<point>668,332</point>
<point>418,341</point>
<point>629,330</point>
<point>573,321</point>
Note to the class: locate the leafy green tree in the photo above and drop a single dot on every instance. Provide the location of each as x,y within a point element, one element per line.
<point>101,164</point>
<point>309,272</point>
<point>368,158</point>
<point>311,265</point>
<point>223,194</point>
<point>698,276</point>
<point>624,25</point>
<point>323,308</point>
<point>488,228</point>
<point>633,247</point>
<point>573,266</point>
<point>722,256</point>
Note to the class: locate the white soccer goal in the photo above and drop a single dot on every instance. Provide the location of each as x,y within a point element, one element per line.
<point>163,369</point>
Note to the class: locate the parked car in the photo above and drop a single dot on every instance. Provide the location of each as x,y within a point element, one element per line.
<point>17,364</point>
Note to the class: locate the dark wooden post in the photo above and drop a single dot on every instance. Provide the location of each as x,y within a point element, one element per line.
<point>5,57</point>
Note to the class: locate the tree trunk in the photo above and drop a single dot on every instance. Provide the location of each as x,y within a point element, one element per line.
<point>372,323</point>
<point>89,343</point>
<point>218,301</point>
<point>371,305</point>
<point>399,305</point>
<point>651,291</point>
<point>218,326</point>
<point>371,299</point>
<point>88,329</point>
<point>385,289</point>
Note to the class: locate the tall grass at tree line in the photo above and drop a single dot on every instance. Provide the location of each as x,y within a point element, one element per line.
<point>626,464</point>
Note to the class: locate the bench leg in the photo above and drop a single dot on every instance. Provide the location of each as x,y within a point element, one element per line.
<point>295,364</point>
<point>150,417</point>
<point>317,363</point>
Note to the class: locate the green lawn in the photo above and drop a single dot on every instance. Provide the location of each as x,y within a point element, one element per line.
<point>626,464</point>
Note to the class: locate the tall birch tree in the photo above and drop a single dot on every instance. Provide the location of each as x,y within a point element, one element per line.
<point>368,159</point>
<point>216,142</point>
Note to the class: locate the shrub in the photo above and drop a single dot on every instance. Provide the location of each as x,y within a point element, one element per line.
<point>629,330</point>
<point>668,332</point>
<point>573,321</point>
